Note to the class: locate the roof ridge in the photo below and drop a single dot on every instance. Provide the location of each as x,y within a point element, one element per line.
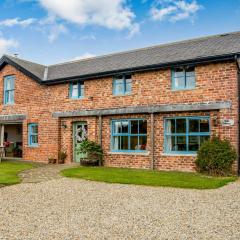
<point>17,58</point>
<point>146,48</point>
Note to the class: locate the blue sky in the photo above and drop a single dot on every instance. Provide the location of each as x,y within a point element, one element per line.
<point>52,31</point>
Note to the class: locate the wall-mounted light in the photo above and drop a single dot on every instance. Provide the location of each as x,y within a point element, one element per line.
<point>64,125</point>
<point>90,98</point>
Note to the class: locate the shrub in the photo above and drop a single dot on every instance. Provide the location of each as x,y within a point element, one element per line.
<point>216,157</point>
<point>92,149</point>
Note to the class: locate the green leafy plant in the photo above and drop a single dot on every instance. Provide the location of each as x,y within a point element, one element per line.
<point>62,156</point>
<point>91,149</point>
<point>216,157</point>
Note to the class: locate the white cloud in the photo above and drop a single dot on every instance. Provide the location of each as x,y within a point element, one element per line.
<point>112,14</point>
<point>52,28</point>
<point>10,22</point>
<point>174,10</point>
<point>6,45</point>
<point>84,56</point>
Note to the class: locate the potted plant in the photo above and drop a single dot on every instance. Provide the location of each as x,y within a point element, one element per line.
<point>62,157</point>
<point>52,160</point>
<point>93,153</point>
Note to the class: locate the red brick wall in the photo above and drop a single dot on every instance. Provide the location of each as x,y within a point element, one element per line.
<point>214,82</point>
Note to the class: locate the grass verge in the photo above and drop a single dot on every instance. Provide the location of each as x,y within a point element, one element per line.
<point>9,172</point>
<point>147,177</point>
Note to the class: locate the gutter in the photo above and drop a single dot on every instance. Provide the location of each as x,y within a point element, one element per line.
<point>237,59</point>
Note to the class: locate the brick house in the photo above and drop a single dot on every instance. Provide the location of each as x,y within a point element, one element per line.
<point>149,108</point>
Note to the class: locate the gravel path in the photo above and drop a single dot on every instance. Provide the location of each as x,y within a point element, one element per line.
<point>77,209</point>
<point>44,172</point>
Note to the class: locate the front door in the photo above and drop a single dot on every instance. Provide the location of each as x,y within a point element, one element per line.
<point>79,134</point>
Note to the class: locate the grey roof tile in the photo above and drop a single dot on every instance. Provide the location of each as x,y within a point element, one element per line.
<point>205,47</point>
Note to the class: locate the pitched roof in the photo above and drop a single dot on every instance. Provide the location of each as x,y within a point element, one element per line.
<point>199,49</point>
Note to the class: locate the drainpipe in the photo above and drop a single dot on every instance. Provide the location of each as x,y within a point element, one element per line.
<point>238,89</point>
<point>152,142</point>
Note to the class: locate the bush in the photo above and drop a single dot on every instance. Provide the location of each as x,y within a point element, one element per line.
<point>92,149</point>
<point>216,157</point>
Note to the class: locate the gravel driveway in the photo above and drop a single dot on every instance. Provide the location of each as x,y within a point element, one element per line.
<point>77,209</point>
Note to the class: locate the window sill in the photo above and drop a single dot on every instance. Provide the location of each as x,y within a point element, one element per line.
<point>130,153</point>
<point>184,89</point>
<point>37,146</point>
<point>77,98</point>
<point>122,95</point>
<point>179,154</point>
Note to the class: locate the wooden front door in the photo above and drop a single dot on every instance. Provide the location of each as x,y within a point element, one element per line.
<point>79,134</point>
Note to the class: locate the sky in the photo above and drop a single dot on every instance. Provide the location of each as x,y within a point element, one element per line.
<point>54,31</point>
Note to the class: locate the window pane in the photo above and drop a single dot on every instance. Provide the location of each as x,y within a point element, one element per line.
<point>75,90</point>
<point>179,82</point>
<point>204,125</point>
<point>81,94</point>
<point>134,143</point>
<point>142,142</point>
<point>143,126</point>
<point>128,85</point>
<point>190,82</point>
<point>117,127</point>
<point>34,139</point>
<point>178,72</point>
<point>116,143</point>
<point>204,138</point>
<point>194,125</point>
<point>125,126</point>
<point>34,129</point>
<point>119,88</point>
<point>181,144</point>
<point>193,143</point>
<point>170,144</point>
<point>170,126</point>
<point>134,127</point>
<point>124,142</point>
<point>181,125</point>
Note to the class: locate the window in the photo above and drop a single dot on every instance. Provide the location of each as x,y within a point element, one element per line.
<point>33,134</point>
<point>185,135</point>
<point>129,135</point>
<point>122,85</point>
<point>9,89</point>
<point>183,78</point>
<point>77,90</point>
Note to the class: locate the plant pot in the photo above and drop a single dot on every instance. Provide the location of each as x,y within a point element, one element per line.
<point>61,161</point>
<point>89,162</point>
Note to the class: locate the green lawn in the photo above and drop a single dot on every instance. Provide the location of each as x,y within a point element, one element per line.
<point>9,172</point>
<point>147,177</point>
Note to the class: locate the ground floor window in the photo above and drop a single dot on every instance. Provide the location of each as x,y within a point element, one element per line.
<point>185,134</point>
<point>33,134</point>
<point>129,135</point>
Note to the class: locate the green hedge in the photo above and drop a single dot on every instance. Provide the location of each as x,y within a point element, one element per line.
<point>216,157</point>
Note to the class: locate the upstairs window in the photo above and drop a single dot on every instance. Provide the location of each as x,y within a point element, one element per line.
<point>9,82</point>
<point>76,90</point>
<point>129,135</point>
<point>122,85</point>
<point>186,134</point>
<point>33,134</point>
<point>183,78</point>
